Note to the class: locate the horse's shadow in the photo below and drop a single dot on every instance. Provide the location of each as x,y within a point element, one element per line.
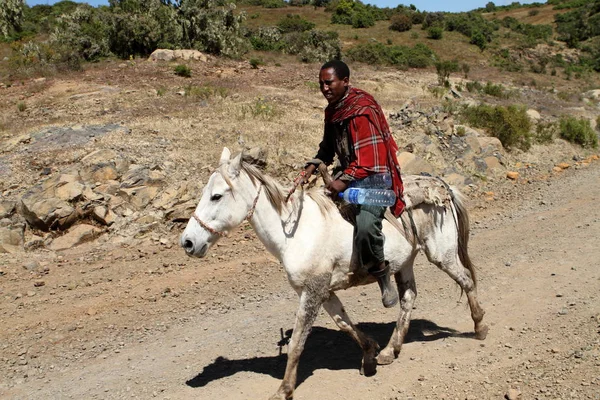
<point>325,349</point>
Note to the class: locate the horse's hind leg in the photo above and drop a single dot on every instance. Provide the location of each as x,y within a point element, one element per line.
<point>369,346</point>
<point>451,264</point>
<point>407,288</point>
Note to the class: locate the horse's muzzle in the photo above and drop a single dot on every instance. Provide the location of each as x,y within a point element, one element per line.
<point>191,249</point>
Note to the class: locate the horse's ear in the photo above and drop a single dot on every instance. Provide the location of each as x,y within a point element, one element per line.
<point>225,156</point>
<point>236,165</point>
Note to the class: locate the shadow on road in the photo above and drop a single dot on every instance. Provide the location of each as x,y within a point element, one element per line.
<point>325,349</point>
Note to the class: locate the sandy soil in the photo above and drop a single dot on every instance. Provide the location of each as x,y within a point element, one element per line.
<point>139,319</point>
<point>149,322</point>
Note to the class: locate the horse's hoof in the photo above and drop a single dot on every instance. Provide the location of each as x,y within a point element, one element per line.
<point>369,367</point>
<point>481,333</point>
<point>385,359</point>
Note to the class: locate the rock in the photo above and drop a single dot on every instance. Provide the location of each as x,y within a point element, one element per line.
<point>534,115</point>
<point>104,172</point>
<point>11,240</point>
<point>512,394</point>
<point>162,55</point>
<point>46,214</point>
<point>490,144</point>
<point>181,212</point>
<point>563,165</point>
<point>413,165</point>
<point>31,266</point>
<point>493,164</point>
<point>256,156</point>
<point>592,94</point>
<point>190,55</point>
<point>39,283</point>
<point>76,236</point>
<point>103,215</point>
<point>7,208</point>
<point>99,157</point>
<point>175,194</point>
<point>473,144</point>
<point>513,175</point>
<point>139,197</point>
<point>71,191</point>
<point>34,243</point>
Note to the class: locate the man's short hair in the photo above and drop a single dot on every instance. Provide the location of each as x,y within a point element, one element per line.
<point>341,69</point>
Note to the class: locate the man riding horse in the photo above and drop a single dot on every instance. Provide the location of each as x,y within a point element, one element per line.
<point>357,132</point>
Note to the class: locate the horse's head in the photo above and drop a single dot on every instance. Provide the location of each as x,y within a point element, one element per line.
<point>226,201</point>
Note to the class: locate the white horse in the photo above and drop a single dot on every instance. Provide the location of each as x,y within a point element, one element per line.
<point>314,244</point>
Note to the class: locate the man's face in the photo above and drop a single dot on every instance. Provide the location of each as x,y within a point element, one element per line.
<point>332,87</point>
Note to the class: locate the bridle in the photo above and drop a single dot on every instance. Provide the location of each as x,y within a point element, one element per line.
<point>224,233</point>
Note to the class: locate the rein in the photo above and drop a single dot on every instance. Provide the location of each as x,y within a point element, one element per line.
<point>224,233</point>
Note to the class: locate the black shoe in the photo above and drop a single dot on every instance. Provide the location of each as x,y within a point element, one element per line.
<point>389,295</point>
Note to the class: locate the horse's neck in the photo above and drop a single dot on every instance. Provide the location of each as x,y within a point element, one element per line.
<point>276,231</point>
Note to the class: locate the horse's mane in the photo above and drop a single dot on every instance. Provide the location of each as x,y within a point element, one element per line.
<point>277,195</point>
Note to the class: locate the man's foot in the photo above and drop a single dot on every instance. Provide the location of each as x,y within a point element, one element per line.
<point>389,294</point>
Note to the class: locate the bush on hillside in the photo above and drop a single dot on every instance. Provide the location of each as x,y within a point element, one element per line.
<point>419,56</point>
<point>444,68</point>
<point>511,125</point>
<point>266,39</point>
<point>11,17</point>
<point>578,131</point>
<point>433,19</point>
<point>401,23</point>
<point>294,23</point>
<point>579,24</point>
<point>86,31</point>
<point>435,32</point>
<point>355,13</point>
<point>313,46</point>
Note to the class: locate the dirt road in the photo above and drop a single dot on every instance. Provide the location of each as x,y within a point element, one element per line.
<point>150,323</point>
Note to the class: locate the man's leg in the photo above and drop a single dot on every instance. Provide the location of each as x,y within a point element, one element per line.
<point>368,246</point>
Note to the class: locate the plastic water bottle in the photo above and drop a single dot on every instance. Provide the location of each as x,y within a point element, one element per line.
<point>372,197</point>
<point>376,181</point>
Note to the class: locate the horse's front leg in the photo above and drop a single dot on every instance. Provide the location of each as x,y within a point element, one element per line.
<point>312,296</point>
<point>370,347</point>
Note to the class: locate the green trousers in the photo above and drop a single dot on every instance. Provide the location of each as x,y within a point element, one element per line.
<point>368,237</point>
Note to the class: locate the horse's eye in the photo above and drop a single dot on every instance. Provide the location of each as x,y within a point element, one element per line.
<point>216,197</point>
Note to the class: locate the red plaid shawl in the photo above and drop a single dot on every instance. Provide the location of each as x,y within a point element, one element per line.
<point>374,146</point>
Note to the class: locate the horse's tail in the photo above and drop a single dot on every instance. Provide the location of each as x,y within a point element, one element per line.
<point>462,222</point>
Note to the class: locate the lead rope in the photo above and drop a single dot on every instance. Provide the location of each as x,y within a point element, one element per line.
<point>224,233</point>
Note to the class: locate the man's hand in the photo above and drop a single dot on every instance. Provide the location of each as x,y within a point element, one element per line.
<point>305,175</point>
<point>336,187</point>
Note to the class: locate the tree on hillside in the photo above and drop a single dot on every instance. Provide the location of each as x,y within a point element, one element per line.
<point>11,16</point>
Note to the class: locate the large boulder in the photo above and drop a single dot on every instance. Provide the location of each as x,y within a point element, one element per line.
<point>76,236</point>
<point>11,240</point>
<point>411,164</point>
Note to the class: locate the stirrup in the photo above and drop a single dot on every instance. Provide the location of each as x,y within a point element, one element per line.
<point>389,294</point>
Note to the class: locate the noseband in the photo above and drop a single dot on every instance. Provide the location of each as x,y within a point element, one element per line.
<point>248,216</point>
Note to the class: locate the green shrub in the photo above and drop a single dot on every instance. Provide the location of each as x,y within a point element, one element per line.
<point>545,132</point>
<point>267,39</point>
<point>205,92</point>
<point>256,62</point>
<point>314,45</point>
<point>444,68</point>
<point>479,40</point>
<point>465,68</point>
<point>435,32</point>
<point>578,131</point>
<point>474,86</point>
<point>294,23</point>
<point>260,108</point>
<point>533,13</point>
<point>21,106</point>
<point>419,56</point>
<point>496,90</point>
<point>433,19</point>
<point>401,23</point>
<point>363,19</point>
<point>183,70</point>
<point>511,125</point>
